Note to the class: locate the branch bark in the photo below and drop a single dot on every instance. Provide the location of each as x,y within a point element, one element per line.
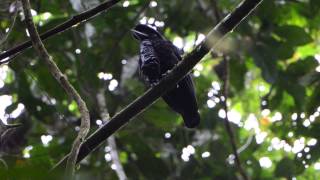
<point>227,122</point>
<point>225,91</point>
<point>104,114</point>
<point>59,28</point>
<point>181,70</point>
<point>62,80</point>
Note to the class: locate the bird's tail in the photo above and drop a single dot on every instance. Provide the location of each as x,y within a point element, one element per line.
<point>191,120</point>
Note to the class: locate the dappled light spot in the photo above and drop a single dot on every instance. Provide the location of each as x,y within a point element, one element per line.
<point>126,3</point>
<point>260,137</point>
<point>153,4</point>
<point>265,112</point>
<point>77,51</point>
<point>196,73</point>
<point>298,145</point>
<point>290,134</point>
<point>167,135</point>
<point>187,152</point>
<point>234,117</point>
<point>143,20</point>
<point>308,156</point>
<point>307,149</point>
<point>276,143</point>
<point>261,88</point>
<point>277,117</point>
<point>215,85</point>
<point>99,122</point>
<point>46,15</point>
<point>316,166</point>
<point>27,33</point>
<point>312,142</point>
<point>107,149</point>
<point>45,139</point>
<point>265,162</point>
<point>113,85</point>
<point>317,57</point>
<point>200,38</point>
<point>199,67</point>
<point>216,100</point>
<point>210,93</point>
<point>33,12</point>
<point>159,23</point>
<point>105,76</point>
<point>251,123</point>
<point>16,113</point>
<point>222,113</point>
<point>211,103</point>
<point>114,166</point>
<point>230,159</point>
<point>26,151</point>
<point>107,157</point>
<point>205,154</point>
<point>178,41</point>
<point>294,116</point>
<point>287,147</point>
<point>123,61</point>
<point>306,123</point>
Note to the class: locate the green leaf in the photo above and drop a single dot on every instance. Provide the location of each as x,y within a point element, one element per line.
<point>293,35</point>
<point>285,168</point>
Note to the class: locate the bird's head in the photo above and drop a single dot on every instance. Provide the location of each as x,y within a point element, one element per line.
<point>142,32</point>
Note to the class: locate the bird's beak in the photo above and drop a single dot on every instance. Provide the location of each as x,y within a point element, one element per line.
<point>139,35</point>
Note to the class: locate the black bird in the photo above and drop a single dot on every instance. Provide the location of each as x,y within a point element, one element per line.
<point>157,57</point>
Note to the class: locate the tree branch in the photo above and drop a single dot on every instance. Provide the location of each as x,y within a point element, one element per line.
<point>62,79</point>
<point>226,119</point>
<point>225,90</point>
<point>169,81</point>
<point>59,28</point>
<point>104,114</point>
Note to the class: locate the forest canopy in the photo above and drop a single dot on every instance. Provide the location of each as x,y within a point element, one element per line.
<point>265,73</point>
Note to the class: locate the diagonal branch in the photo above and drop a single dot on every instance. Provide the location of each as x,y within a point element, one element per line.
<point>169,81</point>
<point>59,28</point>
<point>61,78</point>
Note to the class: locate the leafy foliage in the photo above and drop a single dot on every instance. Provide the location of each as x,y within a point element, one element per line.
<point>274,92</point>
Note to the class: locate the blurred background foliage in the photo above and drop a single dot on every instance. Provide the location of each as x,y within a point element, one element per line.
<point>274,91</point>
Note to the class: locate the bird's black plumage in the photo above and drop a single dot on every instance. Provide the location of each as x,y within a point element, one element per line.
<point>157,56</point>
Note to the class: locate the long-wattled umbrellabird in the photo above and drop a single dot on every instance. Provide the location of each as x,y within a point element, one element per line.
<point>157,57</point>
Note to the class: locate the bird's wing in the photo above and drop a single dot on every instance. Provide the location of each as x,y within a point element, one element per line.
<point>149,64</point>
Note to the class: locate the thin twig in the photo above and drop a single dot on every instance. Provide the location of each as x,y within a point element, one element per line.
<point>62,79</point>
<point>225,90</point>
<point>226,119</point>
<point>104,114</point>
<point>75,20</point>
<point>169,81</point>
